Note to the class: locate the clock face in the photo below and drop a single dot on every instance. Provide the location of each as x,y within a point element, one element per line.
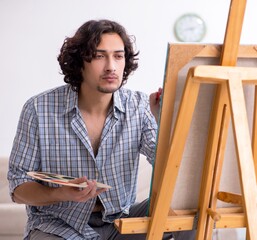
<point>190,28</point>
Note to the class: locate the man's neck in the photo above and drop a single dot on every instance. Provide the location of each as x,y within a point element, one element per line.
<point>95,104</point>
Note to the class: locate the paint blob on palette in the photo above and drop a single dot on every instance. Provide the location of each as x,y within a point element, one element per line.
<point>61,179</point>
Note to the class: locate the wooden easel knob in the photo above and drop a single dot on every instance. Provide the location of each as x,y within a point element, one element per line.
<point>214,215</point>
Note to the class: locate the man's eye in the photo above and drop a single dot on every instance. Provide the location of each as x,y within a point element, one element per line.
<point>119,56</point>
<point>99,56</point>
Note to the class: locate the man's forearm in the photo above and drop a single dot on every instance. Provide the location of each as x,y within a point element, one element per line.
<point>35,194</point>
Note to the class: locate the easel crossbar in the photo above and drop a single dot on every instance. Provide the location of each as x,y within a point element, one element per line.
<point>218,74</point>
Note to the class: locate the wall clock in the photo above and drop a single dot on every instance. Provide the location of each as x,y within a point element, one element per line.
<point>190,28</point>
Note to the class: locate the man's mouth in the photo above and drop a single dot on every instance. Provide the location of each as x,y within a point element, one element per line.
<point>110,78</point>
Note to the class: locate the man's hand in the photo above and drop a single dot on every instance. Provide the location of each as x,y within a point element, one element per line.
<point>154,100</point>
<point>80,194</point>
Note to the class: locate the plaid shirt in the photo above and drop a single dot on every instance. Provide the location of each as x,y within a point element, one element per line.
<point>52,137</point>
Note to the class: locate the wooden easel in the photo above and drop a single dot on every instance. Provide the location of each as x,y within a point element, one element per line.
<point>229,102</point>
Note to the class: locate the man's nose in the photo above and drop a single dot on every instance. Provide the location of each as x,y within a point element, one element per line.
<point>110,65</point>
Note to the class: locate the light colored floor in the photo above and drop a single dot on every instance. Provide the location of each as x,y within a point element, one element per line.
<point>230,234</point>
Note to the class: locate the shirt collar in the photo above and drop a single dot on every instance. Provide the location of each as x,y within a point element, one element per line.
<point>71,100</point>
<point>117,101</point>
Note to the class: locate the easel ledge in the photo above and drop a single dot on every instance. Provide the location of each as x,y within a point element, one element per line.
<point>184,220</point>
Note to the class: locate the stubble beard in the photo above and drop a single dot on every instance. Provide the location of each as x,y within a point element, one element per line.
<point>108,90</point>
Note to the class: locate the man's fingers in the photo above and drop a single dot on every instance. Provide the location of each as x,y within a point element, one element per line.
<point>79,180</point>
<point>85,193</point>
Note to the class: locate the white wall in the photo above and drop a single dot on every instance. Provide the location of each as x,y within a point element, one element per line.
<point>32,32</point>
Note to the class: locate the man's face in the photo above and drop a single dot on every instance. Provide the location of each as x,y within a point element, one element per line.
<point>105,72</point>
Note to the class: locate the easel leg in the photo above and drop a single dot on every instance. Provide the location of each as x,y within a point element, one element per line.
<point>254,133</point>
<point>254,139</point>
<point>169,176</point>
<point>214,153</point>
<point>244,152</point>
<point>218,169</point>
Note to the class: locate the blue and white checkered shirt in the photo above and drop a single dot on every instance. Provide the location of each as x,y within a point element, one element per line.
<point>52,137</point>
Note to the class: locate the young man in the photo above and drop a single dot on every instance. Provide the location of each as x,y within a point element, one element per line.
<point>92,129</point>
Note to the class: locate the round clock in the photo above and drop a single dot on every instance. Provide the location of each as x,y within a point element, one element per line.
<point>190,28</point>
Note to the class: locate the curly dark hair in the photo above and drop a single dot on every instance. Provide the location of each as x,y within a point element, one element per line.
<point>82,47</point>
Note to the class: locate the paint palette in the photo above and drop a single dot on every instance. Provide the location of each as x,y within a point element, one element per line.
<point>61,179</point>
